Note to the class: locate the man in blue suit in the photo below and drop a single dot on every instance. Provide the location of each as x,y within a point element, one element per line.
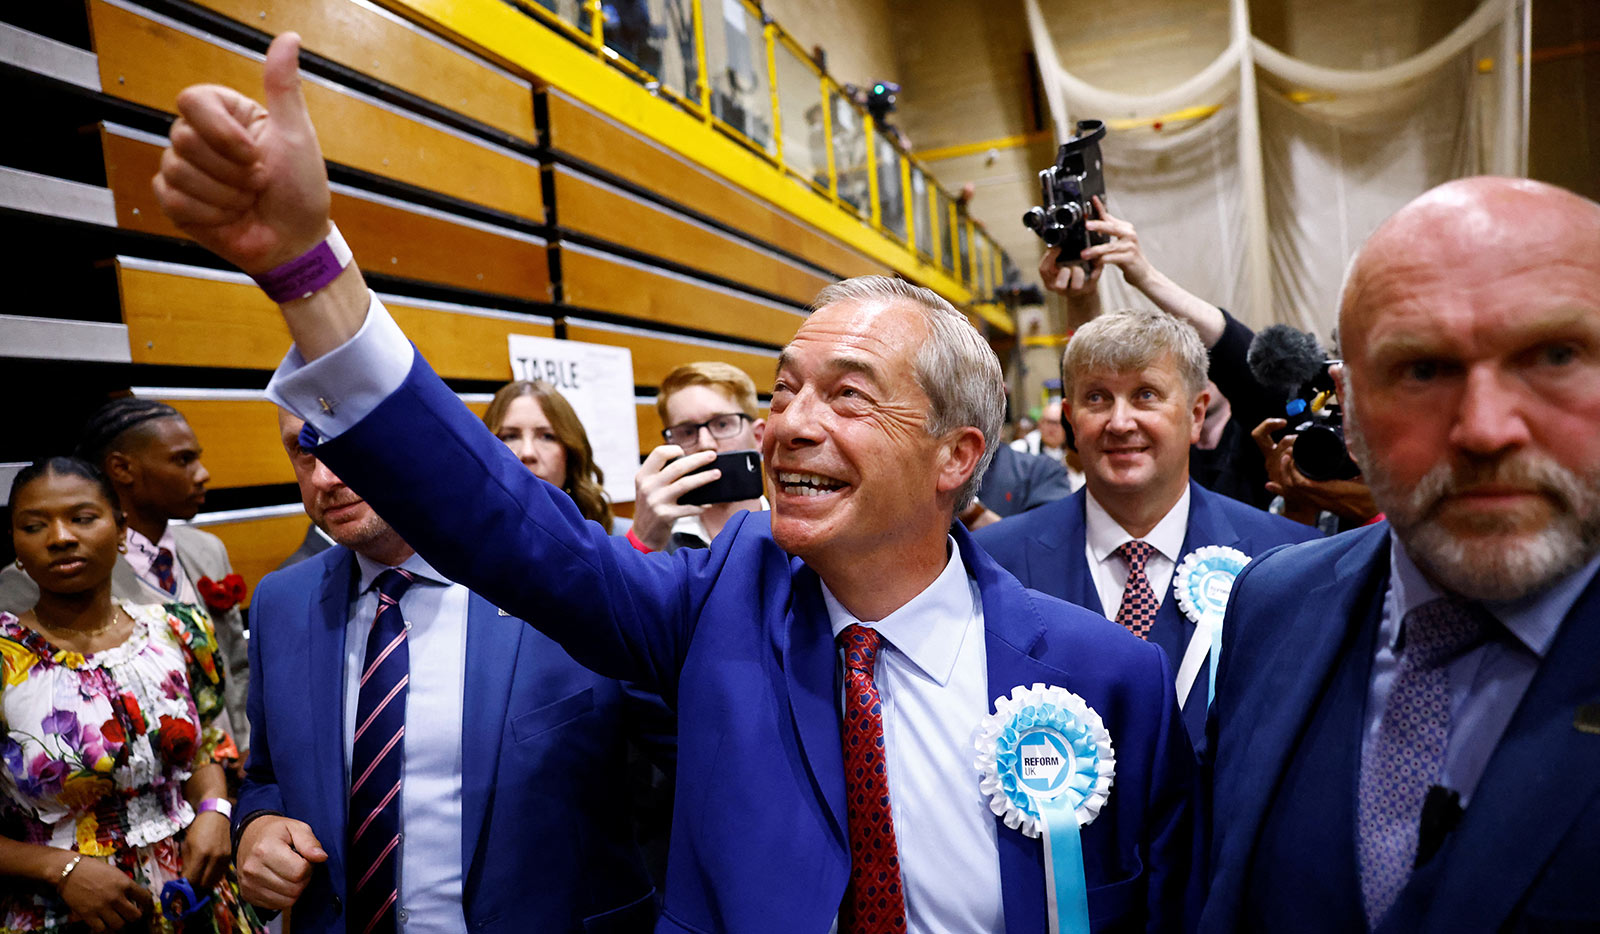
<point>513,752</point>
<point>854,579</point>
<point>1407,721</point>
<point>1135,387</point>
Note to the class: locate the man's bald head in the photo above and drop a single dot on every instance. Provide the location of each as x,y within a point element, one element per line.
<point>1470,328</point>
<point>1475,225</point>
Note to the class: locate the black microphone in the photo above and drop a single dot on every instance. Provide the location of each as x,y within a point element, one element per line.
<point>1284,358</point>
<point>1441,812</point>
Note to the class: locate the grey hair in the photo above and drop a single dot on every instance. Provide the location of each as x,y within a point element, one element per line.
<point>1133,339</point>
<point>955,367</point>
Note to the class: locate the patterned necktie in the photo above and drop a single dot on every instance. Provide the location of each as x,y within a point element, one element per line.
<point>375,763</point>
<point>873,901</point>
<point>161,567</point>
<point>1408,752</point>
<point>1138,610</point>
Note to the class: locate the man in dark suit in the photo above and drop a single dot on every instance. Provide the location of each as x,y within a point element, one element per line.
<point>1134,385</point>
<point>1407,721</point>
<point>512,751</point>
<point>854,578</point>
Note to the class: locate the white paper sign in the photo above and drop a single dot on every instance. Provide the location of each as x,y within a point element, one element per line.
<point>598,381</point>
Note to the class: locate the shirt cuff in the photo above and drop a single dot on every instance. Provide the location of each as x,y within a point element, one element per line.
<point>342,387</point>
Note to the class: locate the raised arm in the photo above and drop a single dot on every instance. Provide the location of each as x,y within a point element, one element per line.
<point>1123,251</point>
<point>248,183</point>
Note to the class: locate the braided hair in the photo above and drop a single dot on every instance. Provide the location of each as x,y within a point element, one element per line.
<point>113,420</point>
<point>66,467</point>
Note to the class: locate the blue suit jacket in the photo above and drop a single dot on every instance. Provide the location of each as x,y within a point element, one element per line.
<point>547,836</point>
<point>737,639</point>
<point>1289,711</point>
<point>1044,548</point>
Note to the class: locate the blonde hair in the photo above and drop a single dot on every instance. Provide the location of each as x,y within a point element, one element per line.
<point>725,378</point>
<point>1131,340</point>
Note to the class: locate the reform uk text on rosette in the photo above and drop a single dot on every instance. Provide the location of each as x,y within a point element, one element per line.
<point>1045,761</point>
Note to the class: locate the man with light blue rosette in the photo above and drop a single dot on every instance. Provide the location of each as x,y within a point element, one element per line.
<point>1141,542</point>
<point>830,661</point>
<point>1406,733</point>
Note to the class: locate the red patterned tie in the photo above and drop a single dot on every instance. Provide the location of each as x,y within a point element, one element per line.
<point>873,902</point>
<point>1138,610</point>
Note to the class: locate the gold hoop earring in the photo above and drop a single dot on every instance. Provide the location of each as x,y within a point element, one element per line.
<point>122,547</point>
<point>19,564</point>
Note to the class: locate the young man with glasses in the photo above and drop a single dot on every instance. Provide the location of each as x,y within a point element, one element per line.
<point>708,408</point>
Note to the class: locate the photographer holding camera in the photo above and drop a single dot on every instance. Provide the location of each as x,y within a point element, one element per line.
<point>1237,457</point>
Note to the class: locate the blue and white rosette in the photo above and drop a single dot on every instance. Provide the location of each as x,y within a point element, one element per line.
<point>1046,763</point>
<point>1203,581</point>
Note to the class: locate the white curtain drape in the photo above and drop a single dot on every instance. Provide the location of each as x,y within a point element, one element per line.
<point>1259,206</point>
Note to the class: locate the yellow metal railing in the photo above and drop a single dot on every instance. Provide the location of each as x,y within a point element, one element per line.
<point>730,65</point>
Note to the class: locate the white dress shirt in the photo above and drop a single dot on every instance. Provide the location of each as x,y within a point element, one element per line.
<point>435,611</point>
<point>1110,573</point>
<point>932,679</point>
<point>142,553</point>
<point>1486,683</point>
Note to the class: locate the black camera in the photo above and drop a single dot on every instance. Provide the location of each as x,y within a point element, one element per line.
<point>1067,191</point>
<point>1319,449</point>
<point>1292,362</point>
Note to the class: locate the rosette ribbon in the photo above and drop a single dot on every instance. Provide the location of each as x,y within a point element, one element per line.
<point>1046,763</point>
<point>1203,581</point>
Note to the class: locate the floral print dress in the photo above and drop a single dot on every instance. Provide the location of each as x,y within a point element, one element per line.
<point>94,751</point>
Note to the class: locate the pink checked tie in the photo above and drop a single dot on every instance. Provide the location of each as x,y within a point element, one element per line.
<point>375,764</point>
<point>873,902</point>
<point>1408,753</point>
<point>1138,610</point>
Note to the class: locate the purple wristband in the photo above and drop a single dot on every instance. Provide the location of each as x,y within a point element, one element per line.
<point>221,805</point>
<point>311,271</point>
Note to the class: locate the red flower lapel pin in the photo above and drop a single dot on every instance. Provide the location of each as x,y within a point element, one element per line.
<point>222,596</point>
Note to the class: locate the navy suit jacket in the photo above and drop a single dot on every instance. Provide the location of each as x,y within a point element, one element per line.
<point>547,834</point>
<point>1044,548</point>
<point>1290,708</point>
<point>738,640</point>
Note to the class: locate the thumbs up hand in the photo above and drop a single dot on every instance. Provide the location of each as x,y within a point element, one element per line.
<point>245,181</point>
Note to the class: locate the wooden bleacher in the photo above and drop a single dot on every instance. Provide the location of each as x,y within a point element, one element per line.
<point>480,204</point>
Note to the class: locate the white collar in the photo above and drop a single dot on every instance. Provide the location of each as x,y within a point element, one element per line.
<point>370,570</point>
<point>1105,535</point>
<point>922,629</point>
<point>137,540</point>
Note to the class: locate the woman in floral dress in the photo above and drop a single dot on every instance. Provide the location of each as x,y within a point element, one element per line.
<point>110,738</point>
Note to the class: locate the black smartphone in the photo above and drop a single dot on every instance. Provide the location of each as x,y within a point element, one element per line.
<point>740,480</point>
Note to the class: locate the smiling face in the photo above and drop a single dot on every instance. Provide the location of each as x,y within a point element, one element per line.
<point>854,473</point>
<point>66,533</point>
<point>1471,329</point>
<point>1133,430</point>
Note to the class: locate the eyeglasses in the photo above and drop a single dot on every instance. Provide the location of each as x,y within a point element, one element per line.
<point>722,427</point>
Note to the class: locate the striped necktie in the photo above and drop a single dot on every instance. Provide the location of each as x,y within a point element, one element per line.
<point>375,764</point>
